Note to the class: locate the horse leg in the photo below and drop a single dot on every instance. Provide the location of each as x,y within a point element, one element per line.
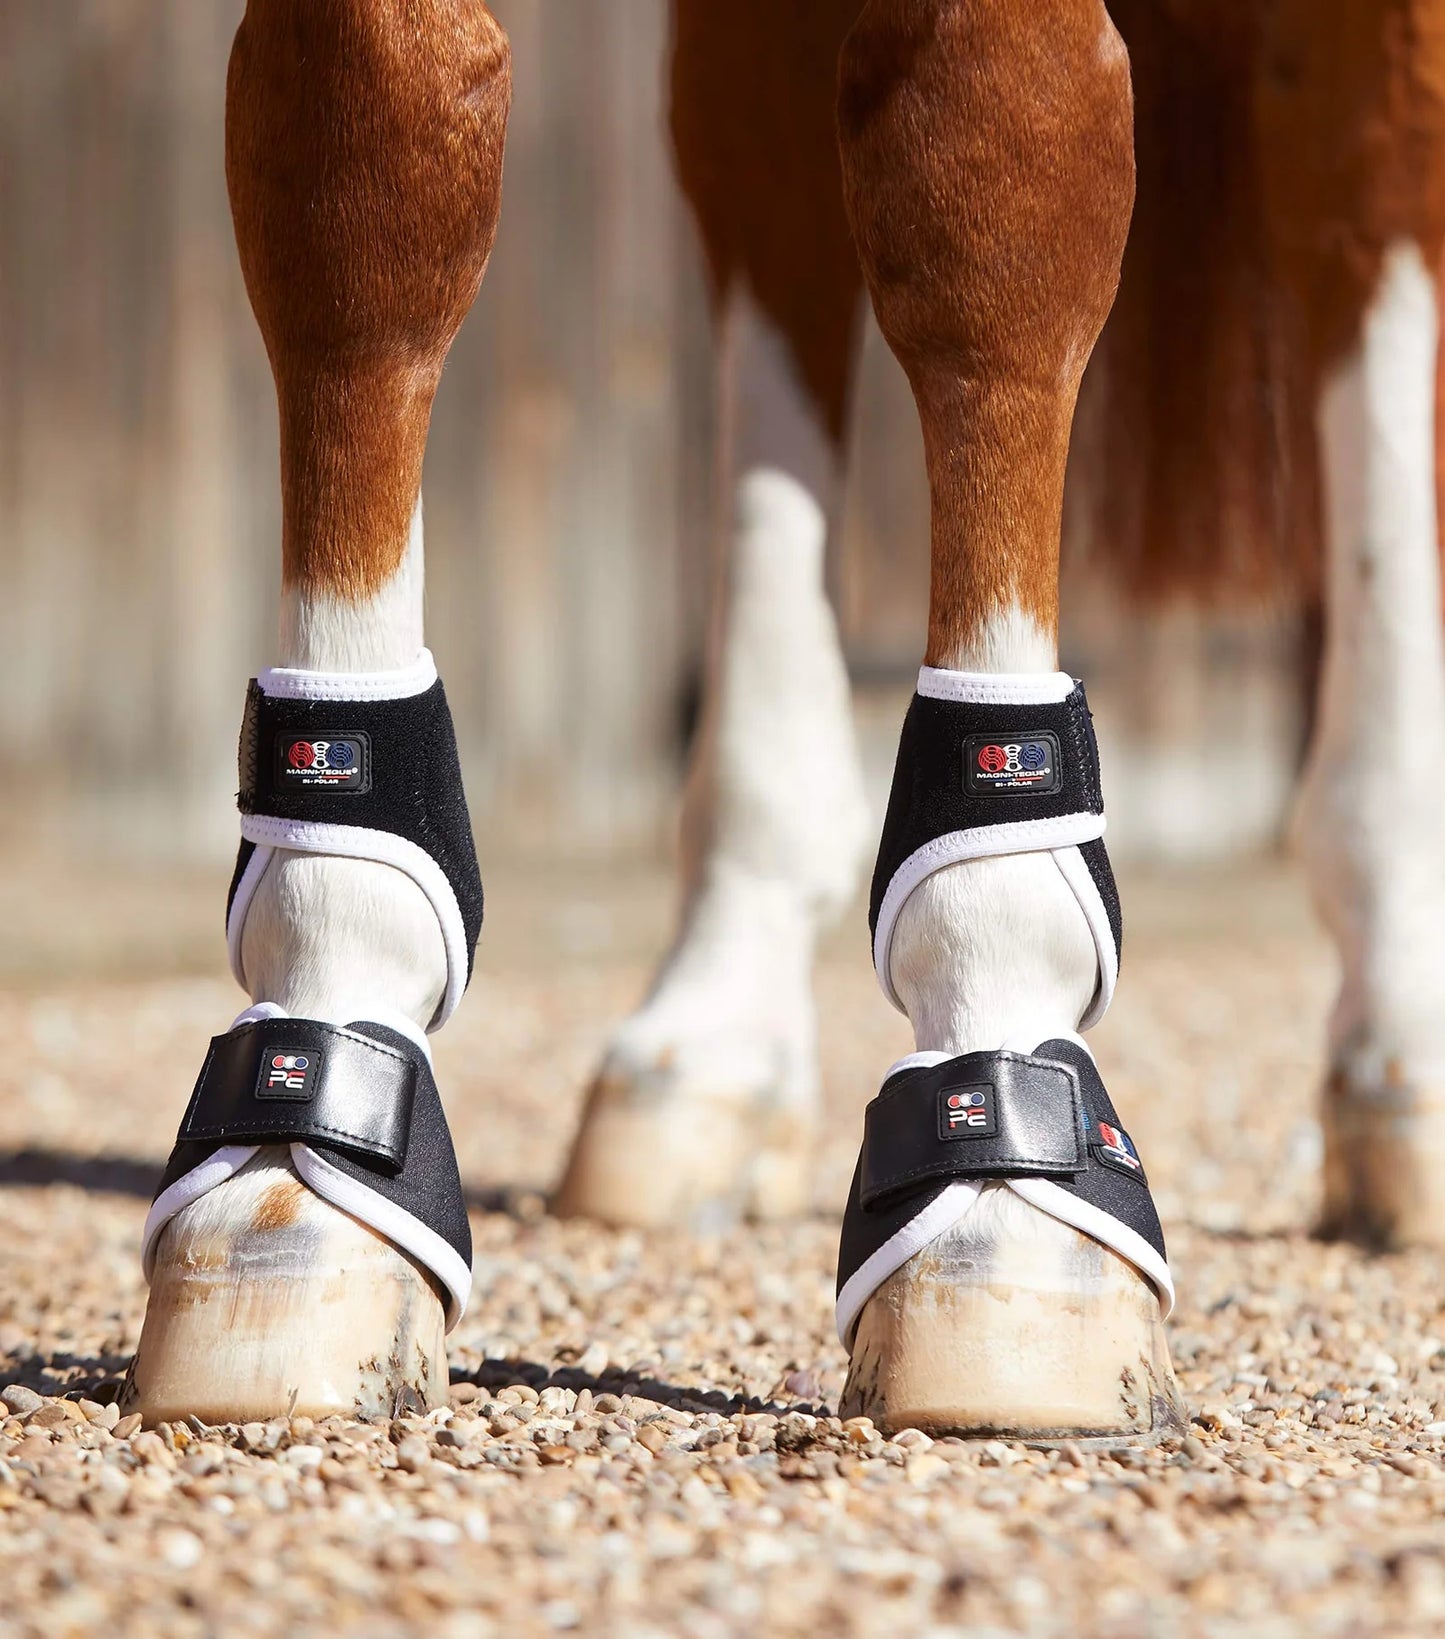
<point>364,152</point>
<point>704,1103</point>
<point>1360,247</point>
<point>988,169</point>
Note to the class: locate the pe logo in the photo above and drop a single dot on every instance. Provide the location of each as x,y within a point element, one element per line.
<point>288,1072</point>
<point>967,1112</point>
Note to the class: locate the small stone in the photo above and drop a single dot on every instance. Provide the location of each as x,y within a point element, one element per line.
<point>860,1430</point>
<point>20,1400</point>
<point>127,1426</point>
<point>652,1437</point>
<point>803,1385</point>
<point>151,1449</point>
<point>181,1550</point>
<point>912,1439</point>
<point>925,1466</point>
<point>412,1454</point>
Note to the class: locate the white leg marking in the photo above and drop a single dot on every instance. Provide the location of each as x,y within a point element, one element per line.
<point>991,949</point>
<point>1370,807</point>
<point>330,938</point>
<point>1010,641</point>
<point>325,633</point>
<point>776,823</point>
<point>777,819</point>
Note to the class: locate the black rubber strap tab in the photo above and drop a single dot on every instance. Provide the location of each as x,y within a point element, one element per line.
<point>1108,1173</point>
<point>997,1115</point>
<point>285,1080</point>
<point>385,765</point>
<point>963,765</point>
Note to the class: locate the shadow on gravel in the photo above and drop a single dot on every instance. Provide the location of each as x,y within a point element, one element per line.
<point>74,1376</point>
<point>105,1174</point>
<point>493,1375</point>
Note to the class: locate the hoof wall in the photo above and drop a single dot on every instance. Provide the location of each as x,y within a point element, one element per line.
<point>1384,1166</point>
<point>667,1158</point>
<point>1015,1326</point>
<point>266,1301</point>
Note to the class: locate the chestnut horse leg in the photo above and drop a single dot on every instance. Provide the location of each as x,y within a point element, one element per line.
<point>704,1103</point>
<point>364,154</point>
<point>988,169</point>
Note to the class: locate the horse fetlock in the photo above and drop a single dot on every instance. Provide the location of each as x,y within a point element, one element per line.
<point>338,938</point>
<point>993,950</point>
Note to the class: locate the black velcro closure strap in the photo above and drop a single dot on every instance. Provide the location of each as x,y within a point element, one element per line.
<point>982,1115</point>
<point>963,765</point>
<point>382,765</point>
<point>285,1080</point>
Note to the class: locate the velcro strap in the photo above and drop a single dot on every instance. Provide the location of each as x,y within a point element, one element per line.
<point>280,1080</point>
<point>993,1115</point>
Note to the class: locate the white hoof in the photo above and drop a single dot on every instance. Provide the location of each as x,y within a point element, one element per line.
<point>267,1301</point>
<point>1013,1324</point>
<point>1384,1170</point>
<point>704,1109</point>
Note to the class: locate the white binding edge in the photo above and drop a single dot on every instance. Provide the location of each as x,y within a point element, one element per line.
<point>240,904</point>
<point>951,1204</point>
<point>922,1060</point>
<point>324,1179</point>
<point>995,688</point>
<point>388,1219</point>
<point>354,842</point>
<point>980,842</point>
<point>1080,878</point>
<point>957,1199</point>
<point>292,683</point>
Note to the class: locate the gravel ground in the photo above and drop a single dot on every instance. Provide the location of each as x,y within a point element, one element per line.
<point>641,1439</point>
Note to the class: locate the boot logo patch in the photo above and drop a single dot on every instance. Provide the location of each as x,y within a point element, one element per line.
<point>1013,764</point>
<point>1116,1149</point>
<point>323,762</point>
<point>288,1072</point>
<point>968,1112</point>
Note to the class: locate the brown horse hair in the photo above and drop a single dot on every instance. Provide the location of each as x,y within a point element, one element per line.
<point>754,88</point>
<point>364,162</point>
<point>988,173</point>
<point>1281,149</point>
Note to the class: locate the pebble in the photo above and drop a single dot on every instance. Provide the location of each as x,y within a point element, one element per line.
<point>20,1400</point>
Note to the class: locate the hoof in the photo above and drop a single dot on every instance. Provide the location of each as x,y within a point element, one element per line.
<point>1015,1325</point>
<point>1384,1165</point>
<point>266,1301</point>
<point>654,1153</point>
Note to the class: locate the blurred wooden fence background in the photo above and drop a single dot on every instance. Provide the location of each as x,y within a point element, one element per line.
<point>567,488</point>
